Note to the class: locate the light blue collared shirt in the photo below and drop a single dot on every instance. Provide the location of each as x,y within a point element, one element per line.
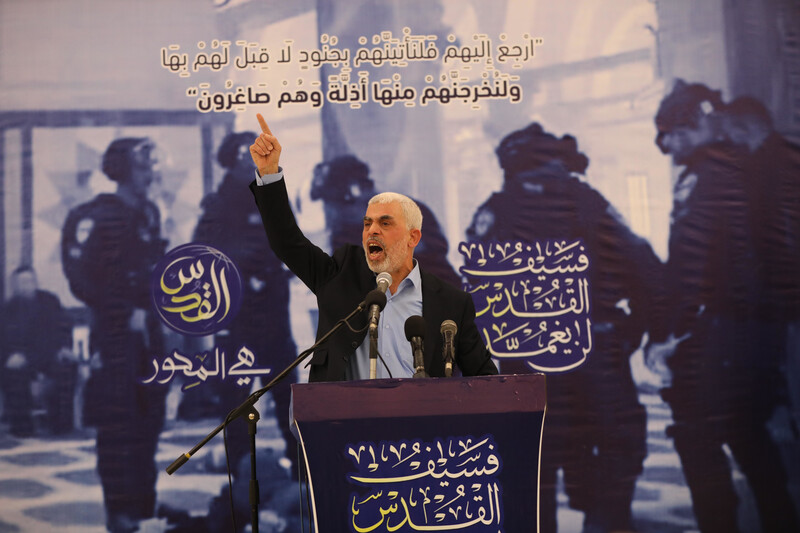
<point>392,343</point>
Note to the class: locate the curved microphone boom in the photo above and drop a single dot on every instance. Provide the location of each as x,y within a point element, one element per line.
<point>448,331</point>
<point>415,333</point>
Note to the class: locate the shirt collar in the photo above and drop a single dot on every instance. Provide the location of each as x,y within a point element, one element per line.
<point>413,279</point>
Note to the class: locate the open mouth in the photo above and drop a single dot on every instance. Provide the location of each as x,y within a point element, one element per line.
<point>374,250</point>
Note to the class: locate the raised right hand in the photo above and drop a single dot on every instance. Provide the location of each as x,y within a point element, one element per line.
<point>266,150</point>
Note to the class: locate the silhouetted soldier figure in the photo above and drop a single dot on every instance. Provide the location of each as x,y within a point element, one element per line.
<point>36,341</point>
<point>344,186</point>
<point>725,382</point>
<point>773,189</point>
<point>595,428</point>
<point>108,249</point>
<point>231,223</point>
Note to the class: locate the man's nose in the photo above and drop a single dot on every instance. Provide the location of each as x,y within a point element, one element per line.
<point>662,141</point>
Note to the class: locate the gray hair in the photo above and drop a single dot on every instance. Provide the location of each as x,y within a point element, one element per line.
<point>409,207</point>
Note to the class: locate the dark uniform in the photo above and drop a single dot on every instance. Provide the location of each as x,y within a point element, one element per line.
<point>773,187</point>
<point>21,332</point>
<point>109,248</point>
<point>726,374</point>
<point>231,223</point>
<point>596,427</point>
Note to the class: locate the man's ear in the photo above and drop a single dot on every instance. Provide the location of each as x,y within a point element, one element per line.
<point>416,235</point>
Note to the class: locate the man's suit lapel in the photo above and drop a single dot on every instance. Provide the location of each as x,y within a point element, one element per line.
<point>433,314</point>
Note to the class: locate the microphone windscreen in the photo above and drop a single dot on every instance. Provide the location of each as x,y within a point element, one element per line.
<point>448,326</point>
<point>375,297</point>
<point>384,281</point>
<point>415,327</point>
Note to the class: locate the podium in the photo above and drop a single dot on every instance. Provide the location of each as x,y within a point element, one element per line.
<point>403,455</point>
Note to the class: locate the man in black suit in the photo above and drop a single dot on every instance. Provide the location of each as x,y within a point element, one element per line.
<point>390,233</point>
<point>30,353</point>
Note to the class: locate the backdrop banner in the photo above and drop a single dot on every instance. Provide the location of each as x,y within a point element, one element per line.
<point>615,183</point>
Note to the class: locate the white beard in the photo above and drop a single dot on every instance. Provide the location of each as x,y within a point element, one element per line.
<point>392,260</point>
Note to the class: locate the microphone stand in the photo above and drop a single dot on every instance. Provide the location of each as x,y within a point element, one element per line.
<point>419,362</point>
<point>375,298</point>
<point>252,419</point>
<point>373,353</point>
<point>247,408</point>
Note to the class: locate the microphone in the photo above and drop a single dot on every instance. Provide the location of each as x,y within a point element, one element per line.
<point>384,280</point>
<point>448,331</point>
<point>415,333</point>
<point>376,301</point>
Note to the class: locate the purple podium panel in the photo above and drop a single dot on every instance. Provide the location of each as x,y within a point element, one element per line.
<point>403,455</point>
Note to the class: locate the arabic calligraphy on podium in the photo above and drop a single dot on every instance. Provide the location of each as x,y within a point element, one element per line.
<point>446,485</point>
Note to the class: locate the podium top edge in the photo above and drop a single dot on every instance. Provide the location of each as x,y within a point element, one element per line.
<point>381,398</point>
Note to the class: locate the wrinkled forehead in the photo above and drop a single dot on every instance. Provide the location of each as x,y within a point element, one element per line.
<point>377,211</point>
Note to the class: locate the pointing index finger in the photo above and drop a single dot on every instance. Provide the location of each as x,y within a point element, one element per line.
<point>263,124</point>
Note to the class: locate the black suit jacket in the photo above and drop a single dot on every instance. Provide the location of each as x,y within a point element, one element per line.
<point>340,283</point>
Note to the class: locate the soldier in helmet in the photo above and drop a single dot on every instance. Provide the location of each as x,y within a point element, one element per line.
<point>725,382</point>
<point>773,179</point>
<point>231,223</point>
<point>109,246</point>
<point>596,427</point>
<point>344,185</point>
